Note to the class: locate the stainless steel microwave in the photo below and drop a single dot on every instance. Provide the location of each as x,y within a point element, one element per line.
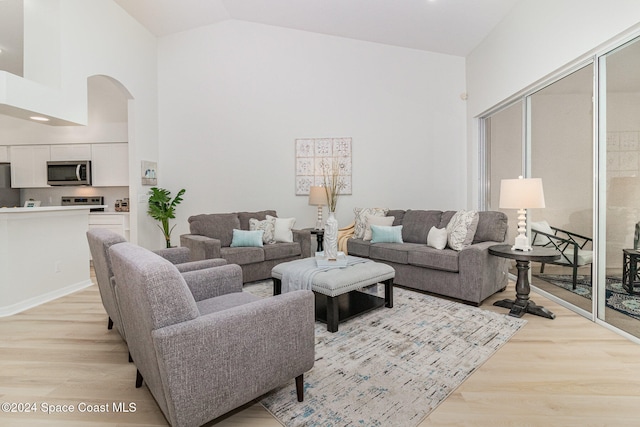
<point>75,172</point>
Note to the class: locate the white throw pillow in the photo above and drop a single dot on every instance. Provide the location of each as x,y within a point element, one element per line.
<point>437,238</point>
<point>376,220</point>
<point>361,214</point>
<point>282,230</point>
<point>461,229</point>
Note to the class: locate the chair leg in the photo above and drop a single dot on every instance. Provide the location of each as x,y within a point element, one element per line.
<point>575,277</point>
<point>110,323</point>
<point>300,387</point>
<point>541,268</point>
<point>138,379</point>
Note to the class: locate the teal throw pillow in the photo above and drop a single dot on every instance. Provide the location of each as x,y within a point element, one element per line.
<point>244,238</point>
<point>386,234</point>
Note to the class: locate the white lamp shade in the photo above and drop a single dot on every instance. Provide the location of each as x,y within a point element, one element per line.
<point>521,193</point>
<point>317,196</point>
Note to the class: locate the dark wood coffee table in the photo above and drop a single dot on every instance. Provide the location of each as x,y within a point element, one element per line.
<point>522,304</point>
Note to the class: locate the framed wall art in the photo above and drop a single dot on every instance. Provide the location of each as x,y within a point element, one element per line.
<point>316,158</point>
<point>149,173</point>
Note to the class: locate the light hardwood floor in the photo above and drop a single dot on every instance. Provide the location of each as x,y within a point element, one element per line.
<point>563,372</point>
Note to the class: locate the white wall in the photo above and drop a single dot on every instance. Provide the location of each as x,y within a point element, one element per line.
<point>234,96</point>
<point>536,39</point>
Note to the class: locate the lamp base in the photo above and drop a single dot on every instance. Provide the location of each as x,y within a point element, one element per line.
<point>319,224</point>
<point>521,244</point>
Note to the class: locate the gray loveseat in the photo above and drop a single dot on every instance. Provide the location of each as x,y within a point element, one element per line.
<point>470,275</point>
<point>211,235</point>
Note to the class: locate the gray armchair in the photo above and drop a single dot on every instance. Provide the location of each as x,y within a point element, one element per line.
<point>204,350</point>
<point>101,239</point>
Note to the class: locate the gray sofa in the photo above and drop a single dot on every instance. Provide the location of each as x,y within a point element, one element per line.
<point>211,234</point>
<point>470,275</point>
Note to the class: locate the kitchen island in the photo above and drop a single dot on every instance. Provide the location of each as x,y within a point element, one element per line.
<point>43,255</point>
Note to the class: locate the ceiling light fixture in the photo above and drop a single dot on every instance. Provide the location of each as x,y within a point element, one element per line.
<point>39,118</point>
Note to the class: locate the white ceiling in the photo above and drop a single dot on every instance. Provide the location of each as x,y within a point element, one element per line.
<point>453,27</point>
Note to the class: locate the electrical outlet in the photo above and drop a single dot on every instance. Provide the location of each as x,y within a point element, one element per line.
<point>143,198</point>
<point>57,268</point>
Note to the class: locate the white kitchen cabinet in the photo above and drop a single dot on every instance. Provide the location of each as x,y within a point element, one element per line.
<point>71,152</point>
<point>29,165</point>
<point>117,222</point>
<point>4,154</point>
<point>110,165</point>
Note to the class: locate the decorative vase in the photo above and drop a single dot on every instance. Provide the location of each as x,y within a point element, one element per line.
<point>331,237</point>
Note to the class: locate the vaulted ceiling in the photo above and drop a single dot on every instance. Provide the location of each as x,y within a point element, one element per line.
<point>453,27</point>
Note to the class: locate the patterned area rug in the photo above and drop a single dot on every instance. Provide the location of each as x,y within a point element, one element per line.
<point>391,367</point>
<point>617,298</point>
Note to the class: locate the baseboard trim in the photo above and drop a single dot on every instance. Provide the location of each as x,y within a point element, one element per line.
<point>41,299</point>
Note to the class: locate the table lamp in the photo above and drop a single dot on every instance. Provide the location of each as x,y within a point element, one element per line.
<point>318,197</point>
<point>521,194</point>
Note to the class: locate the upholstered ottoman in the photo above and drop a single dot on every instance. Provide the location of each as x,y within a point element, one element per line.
<point>336,289</point>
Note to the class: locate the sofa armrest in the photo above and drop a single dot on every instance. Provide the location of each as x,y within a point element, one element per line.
<point>201,247</point>
<point>200,265</point>
<point>304,238</point>
<point>174,255</point>
<point>256,347</point>
<point>480,272</point>
<point>213,282</point>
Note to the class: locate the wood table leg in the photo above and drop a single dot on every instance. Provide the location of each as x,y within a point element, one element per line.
<point>332,314</point>
<point>277,286</point>
<point>388,293</point>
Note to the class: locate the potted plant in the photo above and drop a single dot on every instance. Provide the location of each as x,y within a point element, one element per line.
<point>162,208</point>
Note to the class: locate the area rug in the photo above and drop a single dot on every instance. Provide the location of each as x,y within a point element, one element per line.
<point>391,367</point>
<point>617,298</point>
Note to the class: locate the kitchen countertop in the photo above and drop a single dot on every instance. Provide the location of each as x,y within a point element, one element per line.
<point>50,209</point>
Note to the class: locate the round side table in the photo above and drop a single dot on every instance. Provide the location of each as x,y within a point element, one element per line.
<point>522,304</point>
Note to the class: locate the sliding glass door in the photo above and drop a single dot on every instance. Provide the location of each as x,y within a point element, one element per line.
<point>620,184</point>
<point>591,182</point>
<point>561,145</point>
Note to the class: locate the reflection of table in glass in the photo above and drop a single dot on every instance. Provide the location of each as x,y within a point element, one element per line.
<point>630,258</point>
<point>522,304</point>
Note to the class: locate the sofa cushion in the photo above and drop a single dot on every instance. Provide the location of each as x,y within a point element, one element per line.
<point>425,256</point>
<point>417,223</point>
<point>492,227</point>
<point>446,217</point>
<point>358,247</point>
<point>215,226</point>
<point>398,214</point>
<point>281,250</point>
<point>224,302</point>
<point>242,256</point>
<point>391,252</point>
<point>244,217</point>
